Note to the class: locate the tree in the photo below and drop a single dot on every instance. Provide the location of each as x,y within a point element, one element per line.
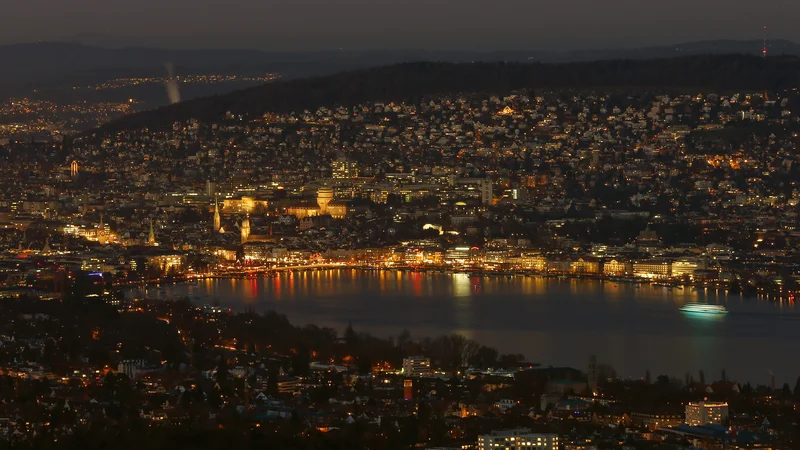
<point>403,339</point>
<point>662,381</point>
<point>702,377</point>
<point>725,375</point>
<point>350,338</point>
<point>797,388</point>
<point>647,378</point>
<point>485,357</point>
<point>364,365</point>
<point>301,362</point>
<point>786,391</point>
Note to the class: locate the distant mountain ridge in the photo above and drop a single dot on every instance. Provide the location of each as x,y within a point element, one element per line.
<point>36,64</point>
<point>412,81</point>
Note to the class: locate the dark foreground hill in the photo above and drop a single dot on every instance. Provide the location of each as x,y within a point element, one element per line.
<point>410,81</point>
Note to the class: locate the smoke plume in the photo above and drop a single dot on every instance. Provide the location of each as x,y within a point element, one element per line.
<point>172,85</point>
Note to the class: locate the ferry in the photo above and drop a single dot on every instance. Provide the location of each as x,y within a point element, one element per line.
<point>704,308</point>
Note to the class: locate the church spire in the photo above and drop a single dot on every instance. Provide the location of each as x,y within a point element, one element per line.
<point>151,238</point>
<point>217,219</point>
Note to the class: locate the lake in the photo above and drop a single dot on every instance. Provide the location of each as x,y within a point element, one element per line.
<point>558,322</point>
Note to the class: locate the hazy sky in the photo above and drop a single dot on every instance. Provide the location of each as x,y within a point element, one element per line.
<point>370,24</point>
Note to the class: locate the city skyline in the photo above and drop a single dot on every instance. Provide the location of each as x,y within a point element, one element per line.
<point>361,25</point>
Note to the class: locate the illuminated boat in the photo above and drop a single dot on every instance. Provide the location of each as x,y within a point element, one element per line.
<point>704,308</point>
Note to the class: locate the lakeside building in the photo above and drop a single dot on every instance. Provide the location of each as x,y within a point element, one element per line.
<point>654,268</point>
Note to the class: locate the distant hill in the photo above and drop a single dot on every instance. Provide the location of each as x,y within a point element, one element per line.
<point>411,81</point>
<point>46,64</point>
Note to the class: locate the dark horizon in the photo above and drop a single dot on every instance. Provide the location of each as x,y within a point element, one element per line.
<point>130,44</point>
<point>360,25</point>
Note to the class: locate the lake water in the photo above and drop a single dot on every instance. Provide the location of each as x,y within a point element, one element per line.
<point>551,321</point>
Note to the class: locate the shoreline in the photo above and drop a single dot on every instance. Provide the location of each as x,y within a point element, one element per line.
<point>274,272</point>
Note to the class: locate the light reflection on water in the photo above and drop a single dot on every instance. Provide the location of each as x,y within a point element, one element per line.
<point>553,321</point>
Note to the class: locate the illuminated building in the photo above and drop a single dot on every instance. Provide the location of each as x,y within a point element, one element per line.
<point>217,218</point>
<point>344,168</point>
<point>517,439</point>
<point>302,211</point>
<point>506,111</point>
<point>531,261</point>
<point>461,255</point>
<point>653,421</point>
<point>324,197</point>
<point>616,268</point>
<point>585,266</point>
<point>151,238</point>
<point>245,229</point>
<point>244,204</point>
<point>73,169</point>
<point>337,209</point>
<point>259,251</point>
<point>99,234</point>
<point>686,267</point>
<point>227,254</point>
<point>408,389</point>
<point>652,268</point>
<point>484,188</point>
<point>706,413</point>
<point>166,261</point>
<point>415,366</point>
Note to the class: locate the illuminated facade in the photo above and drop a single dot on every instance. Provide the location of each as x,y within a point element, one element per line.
<point>99,234</point>
<point>416,366</point>
<point>151,237</point>
<point>245,204</point>
<point>531,261</point>
<point>653,421</point>
<point>585,266</point>
<point>217,218</point>
<point>344,168</point>
<point>686,268</point>
<point>616,268</point>
<point>324,197</point>
<point>652,268</point>
<point>518,439</point>
<point>706,413</point>
<point>245,229</point>
<point>457,255</point>
<point>166,261</point>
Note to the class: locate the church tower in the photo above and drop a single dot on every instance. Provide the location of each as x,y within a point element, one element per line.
<point>151,238</point>
<point>217,219</point>
<point>245,229</point>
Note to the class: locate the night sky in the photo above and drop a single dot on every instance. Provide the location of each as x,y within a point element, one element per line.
<point>373,24</point>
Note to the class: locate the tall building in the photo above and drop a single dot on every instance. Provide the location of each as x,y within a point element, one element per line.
<point>344,168</point>
<point>487,194</point>
<point>245,229</point>
<point>211,188</point>
<point>408,389</point>
<point>517,439</point>
<point>706,413</point>
<point>415,366</point>
<point>73,169</point>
